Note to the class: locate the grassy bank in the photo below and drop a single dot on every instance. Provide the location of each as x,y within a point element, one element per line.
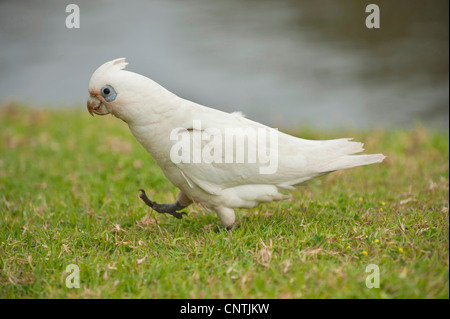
<point>69,195</point>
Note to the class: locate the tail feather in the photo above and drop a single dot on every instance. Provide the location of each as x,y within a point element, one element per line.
<point>349,161</point>
<point>343,146</point>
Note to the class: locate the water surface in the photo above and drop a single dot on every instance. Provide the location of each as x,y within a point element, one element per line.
<point>284,63</point>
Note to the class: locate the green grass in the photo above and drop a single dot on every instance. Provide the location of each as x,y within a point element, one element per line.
<point>69,195</point>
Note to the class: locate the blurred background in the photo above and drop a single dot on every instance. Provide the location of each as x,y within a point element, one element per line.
<point>285,63</point>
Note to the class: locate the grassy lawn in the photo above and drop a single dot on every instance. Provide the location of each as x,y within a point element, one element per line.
<point>69,195</point>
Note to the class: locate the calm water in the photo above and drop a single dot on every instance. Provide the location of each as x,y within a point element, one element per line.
<point>284,63</point>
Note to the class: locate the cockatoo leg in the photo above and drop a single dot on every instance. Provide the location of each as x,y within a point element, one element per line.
<point>227,216</point>
<point>171,209</point>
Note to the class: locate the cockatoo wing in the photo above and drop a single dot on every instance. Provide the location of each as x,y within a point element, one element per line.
<point>297,160</point>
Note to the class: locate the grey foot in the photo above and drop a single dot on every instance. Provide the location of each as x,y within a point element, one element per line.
<point>170,209</point>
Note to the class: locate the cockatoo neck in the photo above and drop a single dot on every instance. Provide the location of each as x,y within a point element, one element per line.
<point>142,101</point>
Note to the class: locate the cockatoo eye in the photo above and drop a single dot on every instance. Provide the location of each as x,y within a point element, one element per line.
<point>108,93</point>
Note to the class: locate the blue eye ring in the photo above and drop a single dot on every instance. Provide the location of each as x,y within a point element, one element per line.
<point>108,93</point>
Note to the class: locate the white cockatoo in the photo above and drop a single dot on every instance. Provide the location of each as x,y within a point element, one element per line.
<point>219,160</point>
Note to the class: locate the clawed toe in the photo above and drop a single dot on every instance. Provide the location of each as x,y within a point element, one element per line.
<point>171,209</point>
<point>177,215</point>
<point>146,200</point>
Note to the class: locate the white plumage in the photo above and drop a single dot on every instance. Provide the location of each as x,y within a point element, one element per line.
<point>152,113</point>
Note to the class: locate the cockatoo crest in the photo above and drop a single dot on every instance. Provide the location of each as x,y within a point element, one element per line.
<point>118,64</point>
<point>105,69</point>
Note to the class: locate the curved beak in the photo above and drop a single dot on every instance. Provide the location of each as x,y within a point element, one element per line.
<point>96,106</point>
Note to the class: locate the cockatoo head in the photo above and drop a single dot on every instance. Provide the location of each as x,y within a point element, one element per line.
<point>118,92</point>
